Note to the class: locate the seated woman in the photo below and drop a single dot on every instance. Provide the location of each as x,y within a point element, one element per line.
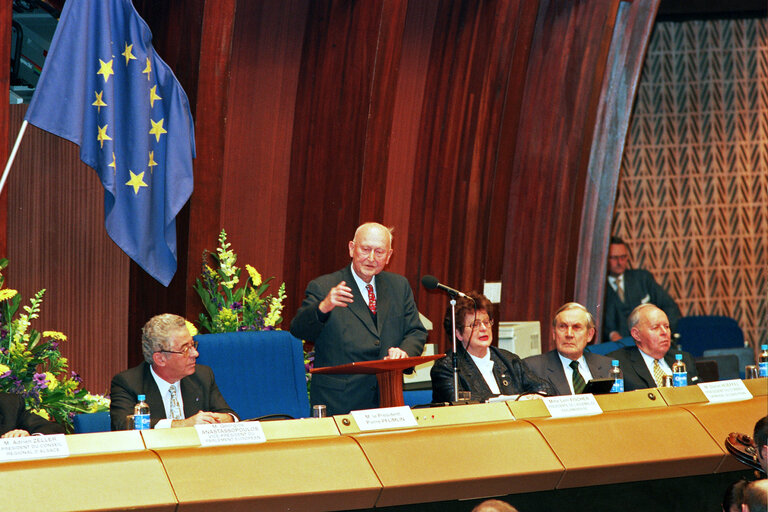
<point>484,370</point>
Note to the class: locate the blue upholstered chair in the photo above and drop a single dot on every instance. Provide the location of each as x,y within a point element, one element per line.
<point>609,346</point>
<point>700,333</point>
<point>258,372</point>
<point>91,422</point>
<point>416,397</point>
<point>744,355</point>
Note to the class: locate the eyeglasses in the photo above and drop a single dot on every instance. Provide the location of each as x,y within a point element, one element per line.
<point>184,351</point>
<point>619,257</point>
<point>476,324</point>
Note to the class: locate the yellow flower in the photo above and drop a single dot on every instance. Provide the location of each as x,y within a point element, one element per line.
<point>43,413</point>
<point>56,335</point>
<point>191,328</point>
<point>255,276</point>
<point>7,294</point>
<point>3,369</point>
<point>51,380</point>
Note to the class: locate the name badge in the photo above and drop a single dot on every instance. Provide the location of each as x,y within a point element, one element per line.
<point>33,447</point>
<point>732,390</point>
<point>220,434</point>
<point>568,406</point>
<point>389,417</point>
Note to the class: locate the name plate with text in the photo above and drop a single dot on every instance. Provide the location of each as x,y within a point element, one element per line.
<point>220,434</point>
<point>568,406</point>
<point>388,417</point>
<point>33,447</point>
<point>732,390</point>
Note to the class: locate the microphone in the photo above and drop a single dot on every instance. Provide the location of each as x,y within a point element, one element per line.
<point>431,283</point>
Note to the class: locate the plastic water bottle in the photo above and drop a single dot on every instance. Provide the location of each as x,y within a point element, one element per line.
<point>618,377</point>
<point>141,414</point>
<point>762,361</point>
<point>679,372</point>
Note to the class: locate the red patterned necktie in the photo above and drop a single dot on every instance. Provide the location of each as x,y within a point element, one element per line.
<point>371,299</point>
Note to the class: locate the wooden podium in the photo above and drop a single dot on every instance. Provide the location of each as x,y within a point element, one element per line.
<point>388,372</point>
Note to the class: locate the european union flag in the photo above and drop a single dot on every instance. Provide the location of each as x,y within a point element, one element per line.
<point>104,88</point>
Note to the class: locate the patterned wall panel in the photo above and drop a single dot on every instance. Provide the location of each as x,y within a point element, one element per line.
<point>692,200</point>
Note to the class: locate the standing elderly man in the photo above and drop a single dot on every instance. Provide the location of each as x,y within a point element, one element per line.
<point>568,368</point>
<point>645,365</point>
<point>179,392</point>
<point>359,313</point>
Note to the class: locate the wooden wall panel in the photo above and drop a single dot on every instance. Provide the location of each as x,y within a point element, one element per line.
<point>58,242</point>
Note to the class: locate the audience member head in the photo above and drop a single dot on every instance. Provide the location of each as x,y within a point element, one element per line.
<point>734,496</point>
<point>168,346</point>
<point>618,256</point>
<point>760,437</point>
<point>473,323</point>
<point>370,250</point>
<point>756,497</point>
<point>494,506</point>
<point>649,327</point>
<point>572,329</point>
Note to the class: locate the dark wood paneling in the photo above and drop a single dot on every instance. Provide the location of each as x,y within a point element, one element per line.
<point>56,225</point>
<point>5,82</point>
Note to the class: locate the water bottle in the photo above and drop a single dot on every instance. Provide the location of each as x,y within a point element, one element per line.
<point>141,414</point>
<point>762,361</point>
<point>679,372</point>
<point>618,377</point>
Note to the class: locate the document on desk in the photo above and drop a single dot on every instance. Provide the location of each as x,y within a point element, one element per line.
<point>33,447</point>
<point>568,406</point>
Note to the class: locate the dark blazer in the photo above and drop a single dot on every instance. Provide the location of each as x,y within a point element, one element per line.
<point>549,367</point>
<point>349,334</point>
<point>512,376</point>
<point>14,415</point>
<point>198,391</point>
<point>639,288</point>
<point>636,374</point>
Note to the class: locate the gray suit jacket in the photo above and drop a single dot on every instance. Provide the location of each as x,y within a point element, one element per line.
<point>349,334</point>
<point>548,367</point>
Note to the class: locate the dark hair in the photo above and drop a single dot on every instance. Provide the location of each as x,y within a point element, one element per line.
<point>616,240</point>
<point>465,306</point>
<point>734,495</point>
<point>756,496</point>
<point>760,435</point>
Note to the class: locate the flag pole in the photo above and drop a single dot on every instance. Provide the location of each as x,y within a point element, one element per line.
<point>13,155</point>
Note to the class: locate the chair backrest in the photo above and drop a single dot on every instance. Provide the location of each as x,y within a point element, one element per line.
<point>258,372</point>
<point>744,356</point>
<point>609,346</point>
<point>700,333</point>
<point>727,366</point>
<point>92,422</point>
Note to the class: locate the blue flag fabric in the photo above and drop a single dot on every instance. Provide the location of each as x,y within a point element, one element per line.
<point>104,88</point>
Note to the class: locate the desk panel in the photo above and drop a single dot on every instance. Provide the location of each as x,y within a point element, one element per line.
<point>630,446</point>
<point>444,463</point>
<point>319,474</point>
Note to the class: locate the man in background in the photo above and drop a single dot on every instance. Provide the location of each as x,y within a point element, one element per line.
<point>760,438</point>
<point>756,497</point>
<point>179,392</point>
<point>628,288</point>
<point>568,368</point>
<point>359,313</point>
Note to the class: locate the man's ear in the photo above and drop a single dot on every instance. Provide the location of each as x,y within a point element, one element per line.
<point>158,359</point>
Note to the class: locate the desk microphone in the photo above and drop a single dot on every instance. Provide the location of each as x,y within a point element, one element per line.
<point>431,283</point>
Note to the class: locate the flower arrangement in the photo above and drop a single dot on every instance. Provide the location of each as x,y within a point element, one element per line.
<point>229,308</point>
<point>31,364</point>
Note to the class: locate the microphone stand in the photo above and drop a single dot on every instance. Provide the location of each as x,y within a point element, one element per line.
<point>455,358</point>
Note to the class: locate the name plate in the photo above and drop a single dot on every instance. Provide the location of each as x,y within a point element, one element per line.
<point>221,434</point>
<point>567,406</point>
<point>732,390</point>
<point>33,447</point>
<point>389,417</point>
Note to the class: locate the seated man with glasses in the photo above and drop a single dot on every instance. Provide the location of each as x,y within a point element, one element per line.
<point>484,371</point>
<point>179,392</point>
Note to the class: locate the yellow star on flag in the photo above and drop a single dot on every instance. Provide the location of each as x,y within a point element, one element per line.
<point>102,136</point>
<point>157,129</point>
<point>148,69</point>
<point>99,102</point>
<point>128,53</point>
<point>153,96</point>
<point>113,164</point>
<point>136,181</point>
<point>105,70</point>
<point>152,162</point>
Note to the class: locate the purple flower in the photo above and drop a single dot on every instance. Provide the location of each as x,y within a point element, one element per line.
<point>53,345</point>
<point>76,377</point>
<point>236,306</point>
<point>40,379</point>
<point>6,375</point>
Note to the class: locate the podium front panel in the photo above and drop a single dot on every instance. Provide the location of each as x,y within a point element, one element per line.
<point>459,462</point>
<point>627,446</point>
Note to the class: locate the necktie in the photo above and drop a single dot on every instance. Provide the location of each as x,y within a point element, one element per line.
<point>175,408</point>
<point>371,299</point>
<point>658,373</point>
<point>620,288</point>
<point>578,380</point>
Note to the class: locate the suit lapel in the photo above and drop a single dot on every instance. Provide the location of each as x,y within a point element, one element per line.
<point>595,366</point>
<point>556,373</point>
<point>471,375</point>
<point>190,394</point>
<point>154,400</point>
<point>638,363</point>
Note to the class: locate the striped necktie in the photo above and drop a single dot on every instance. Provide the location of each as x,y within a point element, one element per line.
<point>578,380</point>
<point>658,373</point>
<point>175,408</point>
